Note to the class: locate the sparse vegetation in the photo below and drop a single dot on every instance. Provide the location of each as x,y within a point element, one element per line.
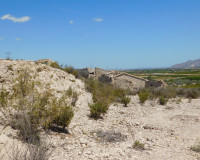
<point>163,100</point>
<point>55,65</point>
<point>143,95</point>
<point>10,67</point>
<point>103,95</point>
<point>125,100</point>
<point>71,70</point>
<point>195,148</point>
<point>97,109</point>
<point>32,110</point>
<point>138,145</point>
<point>39,151</point>
<point>164,94</point>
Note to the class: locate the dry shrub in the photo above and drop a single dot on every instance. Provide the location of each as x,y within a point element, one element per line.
<point>110,136</point>
<point>27,110</point>
<point>39,151</point>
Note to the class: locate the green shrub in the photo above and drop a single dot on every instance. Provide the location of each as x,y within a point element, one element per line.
<point>195,148</point>
<point>70,70</point>
<point>163,100</point>
<point>138,145</point>
<point>73,95</point>
<point>62,116</point>
<point>143,95</point>
<point>125,100</point>
<point>103,95</point>
<point>3,98</point>
<point>55,65</point>
<point>97,109</point>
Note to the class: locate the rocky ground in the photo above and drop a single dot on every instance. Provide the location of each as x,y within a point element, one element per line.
<point>167,131</point>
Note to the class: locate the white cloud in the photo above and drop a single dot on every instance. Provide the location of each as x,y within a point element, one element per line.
<point>1,38</point>
<point>71,22</point>
<point>18,39</point>
<point>98,19</point>
<point>15,19</point>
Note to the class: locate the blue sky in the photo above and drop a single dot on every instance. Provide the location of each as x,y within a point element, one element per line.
<point>115,34</point>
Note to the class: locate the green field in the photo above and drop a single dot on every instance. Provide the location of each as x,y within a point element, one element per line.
<point>189,78</point>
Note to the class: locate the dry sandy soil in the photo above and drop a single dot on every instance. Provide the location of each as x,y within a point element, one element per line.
<point>167,131</point>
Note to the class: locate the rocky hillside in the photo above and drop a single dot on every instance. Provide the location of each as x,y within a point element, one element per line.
<point>139,131</point>
<point>188,64</point>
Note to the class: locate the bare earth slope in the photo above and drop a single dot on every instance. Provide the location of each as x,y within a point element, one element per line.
<point>167,131</point>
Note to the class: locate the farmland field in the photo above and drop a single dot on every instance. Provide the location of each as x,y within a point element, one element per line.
<point>189,78</point>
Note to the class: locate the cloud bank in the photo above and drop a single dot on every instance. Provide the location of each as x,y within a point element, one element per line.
<point>15,19</point>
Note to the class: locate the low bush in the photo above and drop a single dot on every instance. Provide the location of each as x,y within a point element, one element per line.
<point>192,93</point>
<point>163,100</point>
<point>103,94</point>
<point>55,65</point>
<point>30,110</point>
<point>125,100</point>
<point>164,94</point>
<point>70,70</point>
<point>60,114</point>
<point>39,151</point>
<point>143,95</point>
<point>195,148</point>
<point>138,145</point>
<point>97,109</point>
<point>27,129</point>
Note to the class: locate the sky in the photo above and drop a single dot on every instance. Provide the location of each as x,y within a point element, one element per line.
<point>111,34</point>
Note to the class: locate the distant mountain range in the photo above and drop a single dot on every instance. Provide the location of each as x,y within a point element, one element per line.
<point>188,64</point>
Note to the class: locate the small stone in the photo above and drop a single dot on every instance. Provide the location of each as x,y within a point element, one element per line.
<point>88,152</point>
<point>79,153</point>
<point>9,134</point>
<point>83,141</point>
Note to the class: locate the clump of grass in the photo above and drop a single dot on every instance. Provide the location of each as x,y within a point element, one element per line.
<point>138,145</point>
<point>195,148</point>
